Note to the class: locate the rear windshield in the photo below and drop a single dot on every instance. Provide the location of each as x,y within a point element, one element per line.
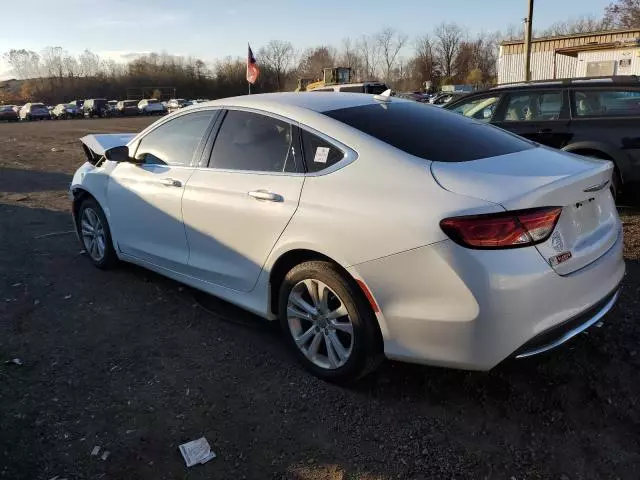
<point>37,105</point>
<point>129,103</point>
<point>429,132</point>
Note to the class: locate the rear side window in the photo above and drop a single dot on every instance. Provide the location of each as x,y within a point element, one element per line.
<point>606,103</point>
<point>318,153</point>
<point>429,132</point>
<point>254,142</point>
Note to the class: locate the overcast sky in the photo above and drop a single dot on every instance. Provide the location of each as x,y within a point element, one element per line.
<point>211,29</point>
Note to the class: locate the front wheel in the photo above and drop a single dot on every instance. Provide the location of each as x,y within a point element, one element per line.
<point>95,235</point>
<point>328,322</point>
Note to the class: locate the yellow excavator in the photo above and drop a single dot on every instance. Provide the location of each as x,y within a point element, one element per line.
<point>332,76</point>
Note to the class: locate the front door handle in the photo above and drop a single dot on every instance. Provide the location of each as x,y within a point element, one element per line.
<point>264,195</point>
<point>170,182</point>
<point>545,130</point>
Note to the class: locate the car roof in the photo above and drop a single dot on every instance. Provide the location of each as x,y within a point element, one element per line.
<point>615,81</point>
<point>298,101</point>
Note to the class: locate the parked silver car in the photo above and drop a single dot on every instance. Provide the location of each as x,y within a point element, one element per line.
<point>151,106</point>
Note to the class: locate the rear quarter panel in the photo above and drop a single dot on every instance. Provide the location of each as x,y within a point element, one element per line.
<point>382,203</point>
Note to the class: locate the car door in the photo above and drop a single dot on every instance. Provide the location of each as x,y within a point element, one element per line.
<point>237,205</point>
<point>145,198</point>
<point>540,115</point>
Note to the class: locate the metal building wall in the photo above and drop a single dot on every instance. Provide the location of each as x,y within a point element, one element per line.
<point>611,55</point>
<point>511,66</point>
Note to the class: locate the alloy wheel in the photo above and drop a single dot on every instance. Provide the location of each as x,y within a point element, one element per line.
<point>320,324</point>
<point>93,235</point>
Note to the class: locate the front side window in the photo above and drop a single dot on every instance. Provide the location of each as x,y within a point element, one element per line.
<point>606,103</point>
<point>430,133</point>
<point>175,142</point>
<point>479,108</point>
<point>250,141</point>
<point>534,106</point>
<point>318,153</point>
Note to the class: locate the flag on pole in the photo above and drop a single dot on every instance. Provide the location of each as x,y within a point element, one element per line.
<point>253,71</point>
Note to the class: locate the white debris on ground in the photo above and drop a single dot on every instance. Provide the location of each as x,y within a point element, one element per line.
<point>196,451</point>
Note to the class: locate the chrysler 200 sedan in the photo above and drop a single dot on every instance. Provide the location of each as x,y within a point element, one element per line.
<point>369,226</point>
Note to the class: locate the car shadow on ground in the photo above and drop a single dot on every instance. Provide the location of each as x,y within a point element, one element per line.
<point>14,180</point>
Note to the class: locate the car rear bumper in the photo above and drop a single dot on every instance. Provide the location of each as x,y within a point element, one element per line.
<point>451,306</point>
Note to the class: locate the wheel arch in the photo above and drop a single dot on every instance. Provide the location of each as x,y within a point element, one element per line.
<point>290,258</point>
<point>598,150</point>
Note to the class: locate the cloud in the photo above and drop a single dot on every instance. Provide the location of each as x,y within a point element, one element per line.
<point>148,20</point>
<point>121,55</point>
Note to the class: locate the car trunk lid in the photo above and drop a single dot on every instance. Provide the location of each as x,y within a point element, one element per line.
<point>588,225</point>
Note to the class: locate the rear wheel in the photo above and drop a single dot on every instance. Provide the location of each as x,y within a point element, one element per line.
<point>327,322</point>
<point>95,235</point>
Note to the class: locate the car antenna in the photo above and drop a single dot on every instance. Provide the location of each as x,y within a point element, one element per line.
<point>384,96</point>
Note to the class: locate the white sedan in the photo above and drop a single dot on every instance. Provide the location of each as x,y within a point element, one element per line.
<point>370,226</point>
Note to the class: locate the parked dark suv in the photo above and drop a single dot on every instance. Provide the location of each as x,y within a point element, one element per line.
<point>595,117</point>
<point>96,107</point>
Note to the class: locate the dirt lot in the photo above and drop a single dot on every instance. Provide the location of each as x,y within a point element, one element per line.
<point>128,361</point>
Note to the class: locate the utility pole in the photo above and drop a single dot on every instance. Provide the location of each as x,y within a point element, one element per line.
<point>528,23</point>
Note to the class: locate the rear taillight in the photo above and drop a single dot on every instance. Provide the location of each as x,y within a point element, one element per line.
<point>519,228</point>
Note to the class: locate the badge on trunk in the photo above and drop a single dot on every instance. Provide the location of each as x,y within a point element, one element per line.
<point>558,259</point>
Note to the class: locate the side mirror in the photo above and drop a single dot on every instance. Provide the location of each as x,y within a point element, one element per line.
<point>118,154</point>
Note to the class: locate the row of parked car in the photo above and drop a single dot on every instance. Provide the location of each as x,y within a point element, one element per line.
<point>90,108</point>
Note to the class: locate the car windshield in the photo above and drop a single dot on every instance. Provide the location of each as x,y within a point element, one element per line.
<point>153,100</point>
<point>130,103</point>
<point>4,108</point>
<point>37,105</point>
<point>430,133</point>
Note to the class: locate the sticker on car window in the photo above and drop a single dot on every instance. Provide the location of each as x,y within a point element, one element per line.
<point>322,153</point>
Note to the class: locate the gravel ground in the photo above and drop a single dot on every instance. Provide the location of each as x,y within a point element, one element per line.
<point>128,361</point>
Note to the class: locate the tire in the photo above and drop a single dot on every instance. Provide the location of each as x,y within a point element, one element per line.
<point>91,213</point>
<point>361,349</point>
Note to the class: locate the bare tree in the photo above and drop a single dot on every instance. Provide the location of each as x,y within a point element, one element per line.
<point>350,58</point>
<point>52,61</point>
<point>89,64</point>
<point>447,44</point>
<point>24,63</point>
<point>278,55</point>
<point>314,60</point>
<point>423,65</point>
<point>367,47</point>
<point>622,14</point>
<point>390,42</point>
<point>579,25</point>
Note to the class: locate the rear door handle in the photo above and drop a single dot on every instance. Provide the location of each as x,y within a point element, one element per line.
<point>545,130</point>
<point>264,195</point>
<point>170,182</point>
